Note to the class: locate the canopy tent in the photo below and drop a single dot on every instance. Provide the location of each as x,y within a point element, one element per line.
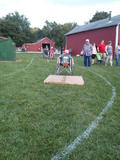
<point>7,50</point>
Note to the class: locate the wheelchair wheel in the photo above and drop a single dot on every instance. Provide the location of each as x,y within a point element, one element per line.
<point>58,70</point>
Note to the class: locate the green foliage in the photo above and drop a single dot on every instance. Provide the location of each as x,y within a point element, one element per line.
<point>99,16</point>
<point>34,34</point>
<point>17,27</point>
<point>57,32</point>
<point>38,120</point>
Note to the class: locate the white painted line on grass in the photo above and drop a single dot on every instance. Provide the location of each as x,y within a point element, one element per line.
<point>91,127</point>
<point>5,75</point>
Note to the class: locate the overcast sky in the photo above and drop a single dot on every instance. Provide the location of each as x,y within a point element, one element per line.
<point>60,11</point>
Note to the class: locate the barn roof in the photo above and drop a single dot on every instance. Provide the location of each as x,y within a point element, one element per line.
<point>39,40</point>
<point>96,25</point>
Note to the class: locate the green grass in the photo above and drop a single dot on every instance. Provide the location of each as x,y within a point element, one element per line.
<point>38,120</point>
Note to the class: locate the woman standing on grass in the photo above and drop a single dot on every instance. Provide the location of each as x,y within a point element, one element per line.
<point>109,51</point>
<point>117,54</point>
<point>94,52</point>
<point>51,53</point>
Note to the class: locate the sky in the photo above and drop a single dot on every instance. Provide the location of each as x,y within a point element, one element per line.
<point>60,11</point>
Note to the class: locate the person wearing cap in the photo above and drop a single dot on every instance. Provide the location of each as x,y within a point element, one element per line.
<point>109,51</point>
<point>65,54</point>
<point>87,51</point>
<point>101,49</point>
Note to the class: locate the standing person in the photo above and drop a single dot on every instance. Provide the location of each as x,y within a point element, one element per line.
<point>42,50</point>
<point>87,51</point>
<point>117,50</point>
<point>109,51</point>
<point>61,50</point>
<point>51,53</point>
<point>46,52</point>
<point>101,49</point>
<point>94,52</point>
<point>23,48</point>
<point>70,51</point>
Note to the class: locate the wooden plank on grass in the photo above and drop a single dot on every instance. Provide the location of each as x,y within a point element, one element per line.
<point>62,79</point>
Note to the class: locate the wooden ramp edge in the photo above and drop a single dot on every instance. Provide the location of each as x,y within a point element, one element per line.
<point>62,79</point>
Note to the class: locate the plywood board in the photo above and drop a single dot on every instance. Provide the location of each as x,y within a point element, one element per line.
<point>62,79</point>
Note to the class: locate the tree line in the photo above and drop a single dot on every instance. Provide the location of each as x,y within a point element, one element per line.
<point>18,28</point>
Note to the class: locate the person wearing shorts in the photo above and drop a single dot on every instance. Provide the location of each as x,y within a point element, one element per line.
<point>109,52</point>
<point>51,53</point>
<point>101,49</point>
<point>94,52</point>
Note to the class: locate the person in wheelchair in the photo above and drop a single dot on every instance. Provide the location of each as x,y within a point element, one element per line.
<point>66,61</point>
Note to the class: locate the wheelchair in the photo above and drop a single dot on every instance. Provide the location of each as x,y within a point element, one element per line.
<point>64,64</point>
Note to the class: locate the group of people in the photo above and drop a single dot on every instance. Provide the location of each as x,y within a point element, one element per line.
<point>106,51</point>
<point>90,51</point>
<point>48,53</point>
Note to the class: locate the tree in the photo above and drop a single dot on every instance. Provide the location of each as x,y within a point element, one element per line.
<point>98,16</point>
<point>40,33</point>
<point>34,34</point>
<point>56,32</point>
<point>17,27</point>
<point>8,28</point>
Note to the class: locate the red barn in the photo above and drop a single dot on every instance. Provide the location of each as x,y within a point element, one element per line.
<point>39,44</point>
<point>105,29</point>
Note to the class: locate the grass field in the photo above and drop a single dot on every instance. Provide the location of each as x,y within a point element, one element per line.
<point>38,121</point>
